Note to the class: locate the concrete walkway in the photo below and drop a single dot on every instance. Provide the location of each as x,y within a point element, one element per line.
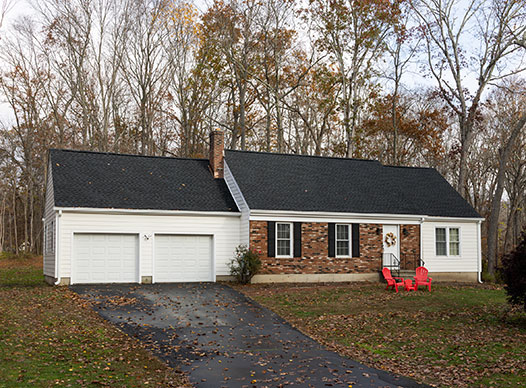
<point>220,338</point>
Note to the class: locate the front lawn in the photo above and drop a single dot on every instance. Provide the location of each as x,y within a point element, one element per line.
<point>455,336</point>
<point>49,337</point>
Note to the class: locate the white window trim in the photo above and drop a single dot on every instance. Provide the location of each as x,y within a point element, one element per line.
<point>291,242</point>
<point>49,237</point>
<point>336,240</point>
<point>447,228</point>
<point>45,238</point>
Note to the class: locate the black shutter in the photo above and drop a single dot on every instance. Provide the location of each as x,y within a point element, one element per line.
<point>297,239</point>
<point>355,240</point>
<point>271,238</point>
<point>332,237</point>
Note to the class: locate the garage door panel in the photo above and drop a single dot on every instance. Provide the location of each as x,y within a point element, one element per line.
<point>105,258</point>
<point>182,258</point>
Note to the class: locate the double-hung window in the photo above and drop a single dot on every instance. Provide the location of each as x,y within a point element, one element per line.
<point>283,240</point>
<point>49,237</point>
<point>343,241</point>
<point>447,241</point>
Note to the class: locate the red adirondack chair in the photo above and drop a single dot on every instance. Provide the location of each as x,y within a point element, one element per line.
<point>421,278</point>
<point>392,281</point>
<point>409,286</point>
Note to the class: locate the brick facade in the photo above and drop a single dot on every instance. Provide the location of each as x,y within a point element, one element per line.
<point>315,248</point>
<point>217,139</point>
<point>409,246</point>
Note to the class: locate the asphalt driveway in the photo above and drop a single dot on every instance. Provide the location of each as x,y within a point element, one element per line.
<point>221,338</point>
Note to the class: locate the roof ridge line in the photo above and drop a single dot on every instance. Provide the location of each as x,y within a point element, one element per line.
<point>421,167</point>
<point>305,156</point>
<point>124,154</point>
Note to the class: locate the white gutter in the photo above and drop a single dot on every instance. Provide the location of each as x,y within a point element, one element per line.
<point>146,212</point>
<point>479,253</point>
<point>409,217</point>
<point>57,250</point>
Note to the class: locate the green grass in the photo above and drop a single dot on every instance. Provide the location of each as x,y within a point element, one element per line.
<point>49,337</point>
<point>461,336</point>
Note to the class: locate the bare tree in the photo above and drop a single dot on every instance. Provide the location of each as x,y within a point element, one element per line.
<point>449,28</point>
<point>509,115</point>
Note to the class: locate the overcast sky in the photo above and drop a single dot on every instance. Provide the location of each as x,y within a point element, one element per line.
<point>20,8</point>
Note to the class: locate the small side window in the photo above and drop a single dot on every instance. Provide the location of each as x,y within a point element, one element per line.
<point>454,242</point>
<point>49,237</point>
<point>441,242</point>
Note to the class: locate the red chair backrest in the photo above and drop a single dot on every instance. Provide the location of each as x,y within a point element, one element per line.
<point>387,274</point>
<point>421,273</point>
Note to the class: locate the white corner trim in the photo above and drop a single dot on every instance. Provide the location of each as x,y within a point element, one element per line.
<point>479,253</point>
<point>243,206</point>
<point>149,212</point>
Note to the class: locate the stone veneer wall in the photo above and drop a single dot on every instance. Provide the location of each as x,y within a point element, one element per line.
<point>315,248</point>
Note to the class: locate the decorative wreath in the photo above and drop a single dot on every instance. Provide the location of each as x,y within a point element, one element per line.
<point>390,239</point>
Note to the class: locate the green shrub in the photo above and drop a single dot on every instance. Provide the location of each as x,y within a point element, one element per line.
<point>245,264</point>
<point>514,274</point>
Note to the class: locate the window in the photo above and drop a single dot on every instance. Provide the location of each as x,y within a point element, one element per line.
<point>454,242</point>
<point>342,241</point>
<point>49,237</point>
<point>447,241</point>
<point>283,240</point>
<point>441,242</point>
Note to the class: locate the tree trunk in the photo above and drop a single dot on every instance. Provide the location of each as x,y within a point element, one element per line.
<point>493,222</point>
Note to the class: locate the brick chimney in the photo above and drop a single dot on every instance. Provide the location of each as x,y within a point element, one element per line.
<point>217,145</point>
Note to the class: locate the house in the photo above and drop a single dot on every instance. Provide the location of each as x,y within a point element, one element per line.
<point>128,218</point>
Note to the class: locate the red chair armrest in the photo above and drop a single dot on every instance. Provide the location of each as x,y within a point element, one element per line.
<point>429,279</point>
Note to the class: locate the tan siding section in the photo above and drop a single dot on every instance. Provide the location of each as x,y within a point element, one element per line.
<point>468,259</point>
<point>225,229</point>
<point>49,214</point>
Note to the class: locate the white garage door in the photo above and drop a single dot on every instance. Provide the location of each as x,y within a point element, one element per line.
<point>182,258</point>
<point>105,258</point>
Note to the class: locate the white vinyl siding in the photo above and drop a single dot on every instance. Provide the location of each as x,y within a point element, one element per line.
<point>343,240</point>
<point>283,240</point>
<point>49,217</point>
<point>467,246</point>
<point>225,230</point>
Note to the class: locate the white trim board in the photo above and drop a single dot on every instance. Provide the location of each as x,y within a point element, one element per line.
<point>278,215</point>
<point>243,205</point>
<point>148,212</point>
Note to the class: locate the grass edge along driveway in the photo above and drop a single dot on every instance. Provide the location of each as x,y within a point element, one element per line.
<point>50,337</point>
<point>455,336</point>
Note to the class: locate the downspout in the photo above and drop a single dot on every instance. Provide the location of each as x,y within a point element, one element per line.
<point>43,243</point>
<point>57,250</point>
<point>479,253</point>
<point>421,240</point>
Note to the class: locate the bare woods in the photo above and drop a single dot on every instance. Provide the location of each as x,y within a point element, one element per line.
<point>312,77</point>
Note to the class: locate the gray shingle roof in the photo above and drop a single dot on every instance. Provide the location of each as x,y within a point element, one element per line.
<point>308,183</point>
<point>105,180</point>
